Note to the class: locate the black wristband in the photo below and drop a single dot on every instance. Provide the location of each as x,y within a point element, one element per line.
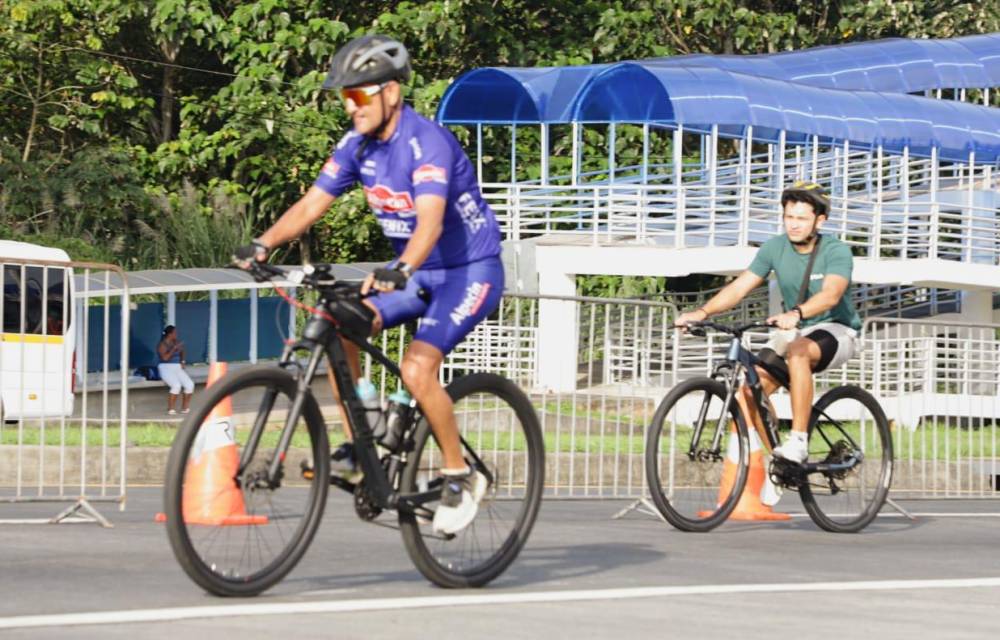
<point>799,309</point>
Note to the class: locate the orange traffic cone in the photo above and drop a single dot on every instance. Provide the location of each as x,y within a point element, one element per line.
<point>211,495</point>
<point>750,506</point>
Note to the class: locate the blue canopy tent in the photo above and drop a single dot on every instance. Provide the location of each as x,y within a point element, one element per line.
<point>894,65</point>
<point>700,97</point>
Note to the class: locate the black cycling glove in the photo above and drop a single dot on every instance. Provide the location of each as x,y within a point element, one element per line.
<point>392,278</point>
<point>256,250</point>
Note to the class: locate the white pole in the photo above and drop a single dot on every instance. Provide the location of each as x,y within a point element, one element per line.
<point>513,154</point>
<point>814,173</point>
<point>213,325</point>
<point>874,249</point>
<point>644,168</point>
<point>253,325</point>
<point>479,152</point>
<point>545,153</point>
<point>679,203</point>
<point>713,148</point>
<point>970,213</point>
<point>746,150</point>
<point>575,167</point>
<point>612,131</point>
<point>935,209</point>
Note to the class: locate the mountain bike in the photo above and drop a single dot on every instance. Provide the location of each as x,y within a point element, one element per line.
<point>280,482</point>
<point>699,442</point>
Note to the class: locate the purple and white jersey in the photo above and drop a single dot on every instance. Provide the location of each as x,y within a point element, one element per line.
<point>420,158</point>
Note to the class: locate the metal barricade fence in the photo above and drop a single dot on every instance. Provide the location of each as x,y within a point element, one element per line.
<point>61,438</point>
<point>594,429</point>
<point>938,383</point>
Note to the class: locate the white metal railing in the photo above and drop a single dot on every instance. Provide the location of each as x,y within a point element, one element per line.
<point>948,226</point>
<point>938,382</point>
<point>62,438</point>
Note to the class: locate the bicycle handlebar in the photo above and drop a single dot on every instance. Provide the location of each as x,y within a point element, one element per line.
<point>733,330</point>
<point>315,276</point>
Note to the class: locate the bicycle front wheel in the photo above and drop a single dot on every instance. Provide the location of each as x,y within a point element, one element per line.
<point>498,427</point>
<point>238,531</point>
<point>696,456</point>
<point>848,421</point>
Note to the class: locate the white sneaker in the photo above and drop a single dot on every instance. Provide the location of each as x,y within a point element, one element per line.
<point>770,493</point>
<point>795,450</point>
<point>460,498</point>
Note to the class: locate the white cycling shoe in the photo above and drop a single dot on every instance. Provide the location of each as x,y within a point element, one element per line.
<point>795,450</point>
<point>460,498</point>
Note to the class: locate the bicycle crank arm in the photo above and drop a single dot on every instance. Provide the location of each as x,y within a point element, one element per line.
<point>827,467</point>
<point>411,502</point>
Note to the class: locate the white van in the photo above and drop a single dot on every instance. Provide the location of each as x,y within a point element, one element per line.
<point>37,334</point>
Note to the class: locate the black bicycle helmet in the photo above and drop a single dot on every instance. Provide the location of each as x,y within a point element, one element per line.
<point>370,59</point>
<point>810,193</point>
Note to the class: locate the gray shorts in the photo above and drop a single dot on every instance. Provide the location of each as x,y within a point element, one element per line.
<point>837,342</point>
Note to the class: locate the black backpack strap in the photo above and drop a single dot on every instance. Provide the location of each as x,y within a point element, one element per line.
<point>804,289</point>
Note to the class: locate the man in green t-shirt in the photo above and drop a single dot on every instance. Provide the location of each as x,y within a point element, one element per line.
<point>826,320</point>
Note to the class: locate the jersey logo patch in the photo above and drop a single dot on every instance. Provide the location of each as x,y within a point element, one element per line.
<point>475,295</point>
<point>418,153</point>
<point>331,168</point>
<point>382,198</point>
<point>472,215</point>
<point>395,228</point>
<point>430,173</point>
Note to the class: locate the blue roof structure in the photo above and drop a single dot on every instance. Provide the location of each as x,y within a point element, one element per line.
<point>661,92</point>
<point>896,65</point>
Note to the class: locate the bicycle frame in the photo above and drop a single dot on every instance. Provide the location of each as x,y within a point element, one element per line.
<point>740,360</point>
<point>320,338</point>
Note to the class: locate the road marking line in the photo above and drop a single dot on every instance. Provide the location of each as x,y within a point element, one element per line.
<point>530,597</point>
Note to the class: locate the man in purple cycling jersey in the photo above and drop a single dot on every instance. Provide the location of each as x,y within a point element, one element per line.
<point>423,190</point>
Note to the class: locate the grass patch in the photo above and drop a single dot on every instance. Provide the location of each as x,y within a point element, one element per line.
<point>929,442</point>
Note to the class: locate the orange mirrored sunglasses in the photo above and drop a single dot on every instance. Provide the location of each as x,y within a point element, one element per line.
<point>361,96</point>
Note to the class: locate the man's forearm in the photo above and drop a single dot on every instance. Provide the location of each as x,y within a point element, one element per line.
<point>819,304</point>
<point>421,243</point>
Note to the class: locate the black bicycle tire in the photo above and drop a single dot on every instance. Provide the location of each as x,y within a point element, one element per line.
<point>674,517</point>
<point>478,576</point>
<point>180,542</point>
<point>882,491</point>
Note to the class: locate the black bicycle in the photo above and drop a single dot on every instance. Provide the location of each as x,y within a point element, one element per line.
<point>698,447</point>
<point>245,494</point>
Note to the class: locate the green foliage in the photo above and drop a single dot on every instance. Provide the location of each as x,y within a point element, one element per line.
<point>134,162</point>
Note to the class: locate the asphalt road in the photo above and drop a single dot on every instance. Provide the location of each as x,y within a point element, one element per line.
<point>582,575</point>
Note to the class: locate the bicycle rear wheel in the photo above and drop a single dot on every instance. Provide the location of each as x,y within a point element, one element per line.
<point>847,420</point>
<point>236,533</point>
<point>499,426</point>
<point>694,484</point>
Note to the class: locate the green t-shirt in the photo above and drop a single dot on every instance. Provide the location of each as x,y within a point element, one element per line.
<point>789,266</point>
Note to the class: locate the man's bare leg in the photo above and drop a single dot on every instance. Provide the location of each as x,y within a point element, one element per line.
<point>744,397</point>
<point>420,368</point>
<point>802,357</point>
<point>353,353</point>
